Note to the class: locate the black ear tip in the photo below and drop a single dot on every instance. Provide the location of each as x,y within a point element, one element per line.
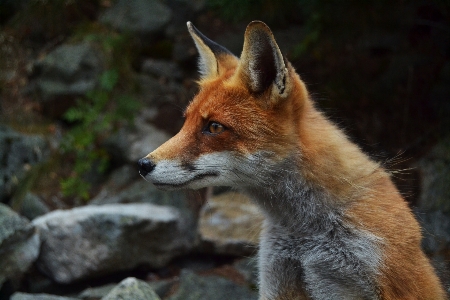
<point>192,29</point>
<point>257,22</point>
<point>258,25</point>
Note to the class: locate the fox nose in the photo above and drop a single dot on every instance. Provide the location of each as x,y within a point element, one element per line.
<point>145,166</point>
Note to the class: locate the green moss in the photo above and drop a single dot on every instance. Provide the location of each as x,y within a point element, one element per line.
<point>97,115</point>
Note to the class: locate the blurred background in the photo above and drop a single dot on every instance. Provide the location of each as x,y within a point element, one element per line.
<point>88,87</point>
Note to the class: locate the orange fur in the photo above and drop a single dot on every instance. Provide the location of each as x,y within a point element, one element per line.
<point>281,118</point>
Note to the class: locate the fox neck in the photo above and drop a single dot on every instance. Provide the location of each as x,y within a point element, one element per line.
<point>315,184</point>
<point>287,199</point>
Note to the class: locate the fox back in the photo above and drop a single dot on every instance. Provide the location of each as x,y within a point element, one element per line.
<point>335,225</point>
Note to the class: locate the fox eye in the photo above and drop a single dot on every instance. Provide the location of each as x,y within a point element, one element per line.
<point>214,128</point>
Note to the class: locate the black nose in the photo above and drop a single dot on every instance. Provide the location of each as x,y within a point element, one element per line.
<point>145,166</point>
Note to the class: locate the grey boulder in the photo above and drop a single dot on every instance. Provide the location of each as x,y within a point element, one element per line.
<point>69,70</point>
<point>18,153</point>
<point>230,224</point>
<point>194,287</point>
<point>19,245</point>
<point>132,288</point>
<point>142,17</point>
<point>26,296</point>
<point>93,240</point>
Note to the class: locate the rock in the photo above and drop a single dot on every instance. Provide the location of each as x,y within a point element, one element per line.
<point>143,192</point>
<point>162,69</point>
<point>132,288</point>
<point>142,17</point>
<point>32,206</point>
<point>162,287</point>
<point>147,139</point>
<point>69,70</point>
<point>96,292</point>
<point>154,92</point>
<point>25,296</point>
<point>19,245</point>
<point>137,190</point>
<point>18,152</point>
<point>194,287</point>
<point>230,224</point>
<point>117,181</point>
<point>126,186</point>
<point>248,267</point>
<point>93,240</point>
<point>130,145</point>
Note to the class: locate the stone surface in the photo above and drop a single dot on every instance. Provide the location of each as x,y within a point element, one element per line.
<point>32,206</point>
<point>194,287</point>
<point>132,288</point>
<point>142,17</point>
<point>162,287</point>
<point>147,139</point>
<point>131,144</point>
<point>162,69</point>
<point>25,296</point>
<point>69,70</point>
<point>19,244</point>
<point>93,240</point>
<point>96,292</point>
<point>18,152</point>
<point>156,90</point>
<point>230,224</point>
<point>126,186</point>
<point>140,191</point>
<point>248,267</point>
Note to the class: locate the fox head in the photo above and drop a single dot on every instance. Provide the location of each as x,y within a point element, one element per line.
<point>243,122</point>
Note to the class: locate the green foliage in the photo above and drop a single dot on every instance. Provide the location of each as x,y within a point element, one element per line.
<point>98,114</point>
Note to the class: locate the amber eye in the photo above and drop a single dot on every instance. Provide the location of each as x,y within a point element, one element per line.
<point>214,128</point>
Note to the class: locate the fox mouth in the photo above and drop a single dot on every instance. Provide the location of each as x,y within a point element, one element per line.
<point>184,183</point>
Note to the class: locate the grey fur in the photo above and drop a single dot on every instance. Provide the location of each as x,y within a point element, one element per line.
<point>306,237</point>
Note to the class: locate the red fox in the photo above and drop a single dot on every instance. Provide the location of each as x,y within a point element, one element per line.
<point>335,225</point>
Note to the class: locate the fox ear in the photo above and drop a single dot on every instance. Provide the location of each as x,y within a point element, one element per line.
<point>214,59</point>
<point>262,64</point>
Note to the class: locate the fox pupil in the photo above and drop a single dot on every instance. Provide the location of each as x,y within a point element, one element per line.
<point>215,128</point>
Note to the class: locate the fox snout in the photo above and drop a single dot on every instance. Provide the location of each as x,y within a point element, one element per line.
<point>145,166</point>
